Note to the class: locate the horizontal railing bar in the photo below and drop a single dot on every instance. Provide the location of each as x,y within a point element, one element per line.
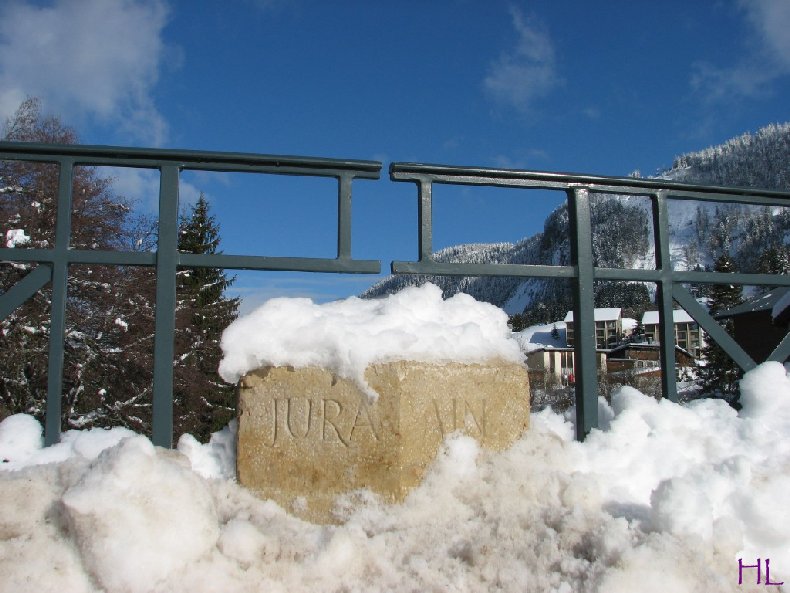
<point>755,199</point>
<point>276,169</point>
<point>481,180</point>
<point>634,275</point>
<point>282,169</point>
<point>459,269</point>
<point>282,264</point>
<point>451,269</point>
<point>731,278</point>
<point>26,255</point>
<point>192,260</point>
<point>80,256</point>
<point>188,159</point>
<point>121,258</point>
<point>597,183</point>
<point>257,262</point>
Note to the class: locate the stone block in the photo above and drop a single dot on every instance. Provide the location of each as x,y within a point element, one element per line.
<point>307,435</point>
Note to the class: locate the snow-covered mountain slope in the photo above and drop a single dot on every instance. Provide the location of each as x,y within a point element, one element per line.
<point>622,233</point>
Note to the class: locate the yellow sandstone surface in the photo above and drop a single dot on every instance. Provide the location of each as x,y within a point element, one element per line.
<point>306,435</point>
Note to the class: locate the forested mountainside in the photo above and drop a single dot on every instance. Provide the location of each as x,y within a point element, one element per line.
<point>622,235</point>
<point>750,160</point>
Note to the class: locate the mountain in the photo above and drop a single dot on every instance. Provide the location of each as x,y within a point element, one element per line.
<point>622,234</point>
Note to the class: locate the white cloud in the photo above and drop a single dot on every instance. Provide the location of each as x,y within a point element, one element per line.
<point>771,19</point>
<point>753,75</point>
<point>86,59</point>
<point>528,71</point>
<point>141,186</point>
<point>744,80</point>
<point>592,112</point>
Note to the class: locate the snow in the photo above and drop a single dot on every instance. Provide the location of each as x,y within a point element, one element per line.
<point>600,314</point>
<point>678,316</point>
<point>346,336</point>
<point>15,237</point>
<point>536,337</point>
<point>215,460</point>
<point>665,497</point>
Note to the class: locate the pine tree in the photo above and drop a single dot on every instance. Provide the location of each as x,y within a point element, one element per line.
<point>773,260</point>
<point>105,349</point>
<point>719,377</point>
<point>518,322</point>
<point>203,402</point>
<point>638,334</point>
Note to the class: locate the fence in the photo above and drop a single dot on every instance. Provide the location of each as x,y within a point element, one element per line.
<point>166,258</point>
<point>582,271</point>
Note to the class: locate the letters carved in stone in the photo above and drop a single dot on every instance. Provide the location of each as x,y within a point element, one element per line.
<point>308,435</point>
<point>318,420</point>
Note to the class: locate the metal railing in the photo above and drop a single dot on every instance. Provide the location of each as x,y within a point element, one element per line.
<point>56,261</point>
<point>582,271</point>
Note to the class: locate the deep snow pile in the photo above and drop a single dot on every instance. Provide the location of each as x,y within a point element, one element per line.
<point>345,336</point>
<point>664,498</point>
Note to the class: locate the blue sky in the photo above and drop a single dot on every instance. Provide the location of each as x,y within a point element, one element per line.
<point>578,86</point>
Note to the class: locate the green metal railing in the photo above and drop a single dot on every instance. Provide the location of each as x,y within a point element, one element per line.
<point>582,271</point>
<point>55,262</point>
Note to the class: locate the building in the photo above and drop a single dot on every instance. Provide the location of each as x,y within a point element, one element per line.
<point>688,334</point>
<point>757,328</point>
<point>608,328</point>
<point>646,359</point>
<point>556,366</point>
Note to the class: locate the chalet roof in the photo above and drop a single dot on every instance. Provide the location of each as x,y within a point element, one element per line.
<point>552,349</point>
<point>562,349</point>
<point>765,302</point>
<point>644,346</point>
<point>678,316</point>
<point>601,314</point>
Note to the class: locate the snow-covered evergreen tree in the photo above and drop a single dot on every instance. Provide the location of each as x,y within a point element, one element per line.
<point>109,327</point>
<point>203,402</point>
<point>774,260</point>
<point>108,370</point>
<point>719,376</point>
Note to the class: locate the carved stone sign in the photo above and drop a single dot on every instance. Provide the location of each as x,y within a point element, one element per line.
<point>306,436</point>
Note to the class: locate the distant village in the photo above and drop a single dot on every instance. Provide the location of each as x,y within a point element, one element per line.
<point>628,350</point>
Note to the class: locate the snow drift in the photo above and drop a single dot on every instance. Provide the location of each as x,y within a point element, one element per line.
<point>665,497</point>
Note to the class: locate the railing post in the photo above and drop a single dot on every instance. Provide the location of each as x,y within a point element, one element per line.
<point>666,315</point>
<point>57,323</point>
<point>425,214</point>
<point>586,367</point>
<point>166,264</point>
<point>344,217</point>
